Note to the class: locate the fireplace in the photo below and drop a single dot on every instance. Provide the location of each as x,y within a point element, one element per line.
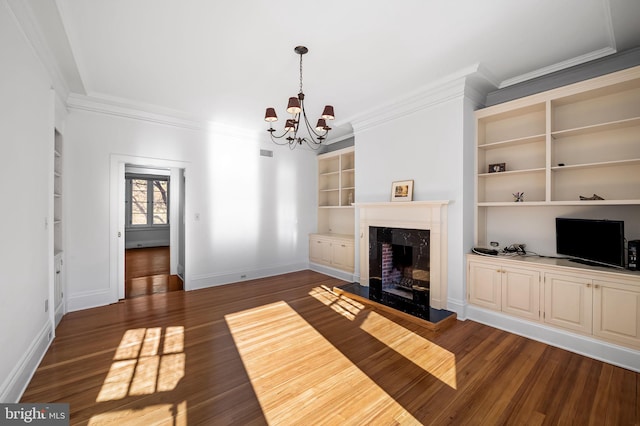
<point>399,269</point>
<point>403,259</point>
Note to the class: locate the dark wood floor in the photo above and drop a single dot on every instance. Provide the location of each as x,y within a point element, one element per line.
<point>286,350</point>
<point>147,272</point>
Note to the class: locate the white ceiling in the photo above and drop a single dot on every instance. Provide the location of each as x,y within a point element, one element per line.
<point>225,61</point>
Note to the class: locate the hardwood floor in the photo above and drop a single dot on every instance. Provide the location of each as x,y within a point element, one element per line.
<point>147,272</point>
<point>286,350</point>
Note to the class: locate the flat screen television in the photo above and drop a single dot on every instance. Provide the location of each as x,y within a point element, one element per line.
<point>591,240</point>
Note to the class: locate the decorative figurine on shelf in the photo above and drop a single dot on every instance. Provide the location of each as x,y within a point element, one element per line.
<point>518,197</point>
<point>593,198</point>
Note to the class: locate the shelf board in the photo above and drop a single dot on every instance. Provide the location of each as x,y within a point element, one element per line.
<point>630,162</point>
<point>348,187</point>
<point>513,142</point>
<point>601,127</point>
<point>348,170</point>
<point>560,203</point>
<point>329,173</point>
<point>329,190</point>
<point>511,172</point>
<point>595,203</point>
<point>335,207</point>
<point>512,204</point>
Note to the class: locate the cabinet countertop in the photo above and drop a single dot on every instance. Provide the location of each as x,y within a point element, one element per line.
<point>539,261</point>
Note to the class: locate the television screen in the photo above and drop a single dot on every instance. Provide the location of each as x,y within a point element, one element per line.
<point>599,241</point>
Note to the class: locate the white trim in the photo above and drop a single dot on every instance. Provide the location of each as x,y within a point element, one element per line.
<point>129,109</point>
<point>591,56</point>
<point>14,386</point>
<point>332,272</point>
<point>583,345</point>
<point>89,299</point>
<point>198,282</point>
<point>117,219</point>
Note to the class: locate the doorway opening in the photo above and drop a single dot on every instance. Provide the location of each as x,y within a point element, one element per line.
<point>148,198</point>
<point>153,231</point>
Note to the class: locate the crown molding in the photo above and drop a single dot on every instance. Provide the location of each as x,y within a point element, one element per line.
<point>452,87</point>
<point>591,56</point>
<point>23,15</point>
<point>128,109</point>
<point>153,114</point>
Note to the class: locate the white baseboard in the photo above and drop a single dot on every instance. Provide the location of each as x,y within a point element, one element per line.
<point>211,280</point>
<point>583,345</point>
<point>332,272</point>
<point>14,386</point>
<point>89,299</point>
<point>457,306</point>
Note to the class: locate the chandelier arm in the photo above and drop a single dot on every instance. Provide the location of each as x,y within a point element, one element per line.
<point>274,138</point>
<point>310,129</point>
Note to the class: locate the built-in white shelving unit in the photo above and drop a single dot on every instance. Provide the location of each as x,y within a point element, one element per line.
<point>333,244</point>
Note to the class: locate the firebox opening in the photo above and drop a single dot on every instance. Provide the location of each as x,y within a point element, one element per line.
<point>399,267</point>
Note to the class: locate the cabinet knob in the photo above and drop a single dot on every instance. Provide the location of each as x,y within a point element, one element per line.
<point>588,285</point>
<point>597,286</point>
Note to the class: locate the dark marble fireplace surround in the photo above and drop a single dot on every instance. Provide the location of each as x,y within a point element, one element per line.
<point>399,272</point>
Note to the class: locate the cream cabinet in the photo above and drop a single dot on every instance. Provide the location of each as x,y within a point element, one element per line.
<point>336,251</point>
<point>593,301</point>
<point>512,290</point>
<point>568,302</point>
<point>616,311</point>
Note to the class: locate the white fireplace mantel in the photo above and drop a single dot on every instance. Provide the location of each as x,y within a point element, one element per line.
<point>431,215</point>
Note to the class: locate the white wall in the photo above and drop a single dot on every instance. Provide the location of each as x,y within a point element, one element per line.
<point>244,214</point>
<point>430,146</point>
<point>26,142</point>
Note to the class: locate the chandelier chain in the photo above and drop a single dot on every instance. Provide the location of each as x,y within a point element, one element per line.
<point>300,73</point>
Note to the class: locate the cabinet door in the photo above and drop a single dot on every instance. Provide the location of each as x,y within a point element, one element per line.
<point>568,302</point>
<point>342,255</point>
<point>484,285</point>
<point>616,312</point>
<point>320,250</point>
<point>521,293</point>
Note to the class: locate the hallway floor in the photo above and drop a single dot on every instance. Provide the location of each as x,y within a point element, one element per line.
<point>147,272</point>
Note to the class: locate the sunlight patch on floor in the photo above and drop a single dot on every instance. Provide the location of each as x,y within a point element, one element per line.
<point>307,371</point>
<point>346,307</point>
<point>163,414</point>
<point>432,358</point>
<point>148,360</point>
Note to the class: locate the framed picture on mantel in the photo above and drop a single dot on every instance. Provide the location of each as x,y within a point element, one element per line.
<point>402,190</point>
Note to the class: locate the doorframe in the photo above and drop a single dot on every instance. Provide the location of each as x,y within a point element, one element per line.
<point>117,218</point>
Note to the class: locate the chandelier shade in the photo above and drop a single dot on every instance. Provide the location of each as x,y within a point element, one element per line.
<point>327,114</point>
<point>270,115</point>
<point>293,132</point>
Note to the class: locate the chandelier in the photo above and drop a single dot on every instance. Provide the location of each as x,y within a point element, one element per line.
<point>315,135</point>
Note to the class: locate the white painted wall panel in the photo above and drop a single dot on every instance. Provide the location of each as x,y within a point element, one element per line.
<point>26,252</point>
